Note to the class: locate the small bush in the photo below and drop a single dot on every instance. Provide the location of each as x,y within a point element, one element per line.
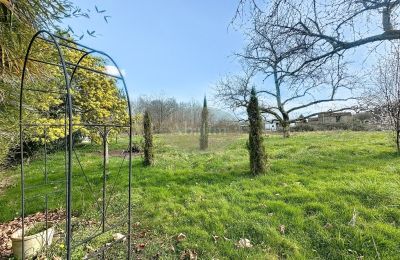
<point>352,126</point>
<point>302,128</point>
<point>137,147</point>
<point>358,126</point>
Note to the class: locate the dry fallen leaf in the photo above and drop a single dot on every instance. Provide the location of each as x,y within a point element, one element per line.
<point>181,237</point>
<point>142,234</point>
<point>89,248</point>
<point>215,238</point>
<point>244,243</point>
<point>282,229</point>
<point>41,257</point>
<point>136,224</point>
<point>139,247</point>
<point>353,220</point>
<point>188,255</point>
<point>118,236</point>
<point>328,226</point>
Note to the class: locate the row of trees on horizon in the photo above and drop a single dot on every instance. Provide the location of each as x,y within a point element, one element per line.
<point>170,116</point>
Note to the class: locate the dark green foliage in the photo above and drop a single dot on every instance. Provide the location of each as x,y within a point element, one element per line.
<point>255,144</point>
<point>148,140</point>
<point>204,127</point>
<point>351,126</point>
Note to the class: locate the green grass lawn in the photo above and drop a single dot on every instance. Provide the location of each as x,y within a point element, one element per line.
<point>315,184</point>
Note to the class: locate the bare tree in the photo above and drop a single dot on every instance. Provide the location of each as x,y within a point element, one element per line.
<point>288,95</point>
<point>180,117</point>
<point>383,99</point>
<point>299,46</point>
<point>160,108</point>
<point>325,28</point>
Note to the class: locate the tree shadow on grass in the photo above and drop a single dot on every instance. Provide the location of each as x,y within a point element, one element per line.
<point>385,155</point>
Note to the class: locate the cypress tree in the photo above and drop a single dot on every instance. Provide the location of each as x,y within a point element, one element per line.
<point>148,140</point>
<point>255,143</point>
<point>204,126</point>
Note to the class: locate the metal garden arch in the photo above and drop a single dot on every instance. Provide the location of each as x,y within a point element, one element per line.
<point>62,189</point>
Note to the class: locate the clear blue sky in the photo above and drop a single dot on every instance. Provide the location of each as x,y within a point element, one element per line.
<point>176,47</point>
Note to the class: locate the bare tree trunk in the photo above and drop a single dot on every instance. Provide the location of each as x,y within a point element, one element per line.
<point>398,140</point>
<point>285,126</point>
<point>286,131</point>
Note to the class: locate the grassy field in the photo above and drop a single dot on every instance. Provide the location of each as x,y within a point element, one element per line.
<point>331,195</point>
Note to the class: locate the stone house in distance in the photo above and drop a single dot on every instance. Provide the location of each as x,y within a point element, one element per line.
<point>323,118</point>
<point>331,118</point>
<point>335,120</point>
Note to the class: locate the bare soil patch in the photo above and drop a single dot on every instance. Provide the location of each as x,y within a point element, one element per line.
<point>6,181</point>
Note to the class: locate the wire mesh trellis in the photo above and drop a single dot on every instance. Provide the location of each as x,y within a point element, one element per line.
<point>87,187</point>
